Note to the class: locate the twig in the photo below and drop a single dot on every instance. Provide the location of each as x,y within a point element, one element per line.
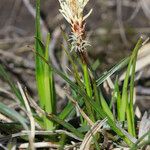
<point>40,111</point>
<point>125,3</point>
<point>144,126</point>
<point>89,135</point>
<point>17,59</point>
<point>16,40</point>
<point>80,110</point>
<point>4,118</point>
<point>40,145</point>
<point>103,31</point>
<point>11,28</point>
<point>13,13</point>
<point>32,11</point>
<point>29,113</point>
<point>135,11</point>
<point>7,92</point>
<point>64,60</point>
<point>120,23</point>
<point>145,4</point>
<point>3,147</point>
<point>24,132</point>
<point>48,145</point>
<point>55,35</point>
<point>133,139</point>
<point>35,106</point>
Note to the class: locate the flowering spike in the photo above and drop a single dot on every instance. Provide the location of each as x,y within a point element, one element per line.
<point>72,10</point>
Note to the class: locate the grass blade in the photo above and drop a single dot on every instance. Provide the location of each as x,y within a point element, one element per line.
<point>13,115</point>
<point>124,99</point>
<point>13,87</point>
<point>40,49</point>
<point>69,108</point>
<point>48,89</point>
<point>44,75</point>
<point>93,104</point>
<point>117,67</point>
<point>105,107</point>
<point>66,125</point>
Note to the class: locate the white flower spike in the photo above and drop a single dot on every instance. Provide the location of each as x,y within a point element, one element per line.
<point>72,10</point>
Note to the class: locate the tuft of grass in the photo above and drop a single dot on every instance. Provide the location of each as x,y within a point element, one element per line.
<point>86,92</point>
<point>44,74</point>
<point>14,115</point>
<point>126,103</point>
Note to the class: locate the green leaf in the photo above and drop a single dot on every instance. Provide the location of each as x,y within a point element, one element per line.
<point>39,65</point>
<point>117,97</point>
<point>48,89</point>
<point>106,107</point>
<point>88,87</point>
<point>44,74</point>
<point>66,111</point>
<point>8,128</point>
<point>137,145</point>
<point>110,122</point>
<point>74,66</point>
<point>66,125</point>
<point>40,49</point>
<point>69,109</point>
<point>13,87</point>
<point>124,99</point>
<point>12,114</point>
<point>93,104</point>
<point>95,65</point>
<point>117,67</point>
<point>41,44</point>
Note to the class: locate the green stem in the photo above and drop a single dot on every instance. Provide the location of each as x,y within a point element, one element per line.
<point>87,80</point>
<point>130,105</point>
<point>124,99</point>
<point>129,120</point>
<point>88,88</point>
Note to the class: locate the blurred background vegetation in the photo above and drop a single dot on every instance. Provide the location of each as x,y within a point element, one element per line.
<point>113,29</point>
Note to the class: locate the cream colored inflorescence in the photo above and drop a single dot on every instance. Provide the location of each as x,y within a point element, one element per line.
<point>72,10</point>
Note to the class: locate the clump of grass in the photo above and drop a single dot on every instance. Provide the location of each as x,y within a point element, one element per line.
<point>85,94</point>
<point>44,74</point>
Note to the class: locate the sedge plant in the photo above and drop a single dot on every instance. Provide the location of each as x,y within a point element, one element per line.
<point>73,13</point>
<point>86,90</point>
<point>44,74</point>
